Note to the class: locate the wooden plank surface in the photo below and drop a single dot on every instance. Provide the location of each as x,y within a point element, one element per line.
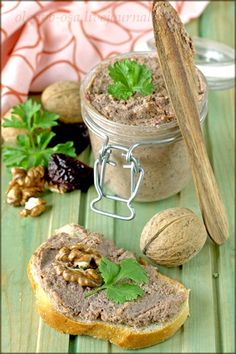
<point>220,138</point>
<point>210,275</point>
<point>22,329</point>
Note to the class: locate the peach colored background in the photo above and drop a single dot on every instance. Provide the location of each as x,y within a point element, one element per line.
<point>47,41</point>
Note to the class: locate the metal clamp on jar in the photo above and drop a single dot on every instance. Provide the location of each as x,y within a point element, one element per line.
<point>100,165</point>
<point>145,163</point>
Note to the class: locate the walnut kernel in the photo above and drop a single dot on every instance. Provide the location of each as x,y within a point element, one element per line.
<point>34,207</point>
<point>25,184</point>
<point>79,263</point>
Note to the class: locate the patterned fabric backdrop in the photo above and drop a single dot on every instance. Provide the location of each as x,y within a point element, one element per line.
<point>47,41</point>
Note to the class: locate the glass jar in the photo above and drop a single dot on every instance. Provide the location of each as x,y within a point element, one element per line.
<point>155,156</point>
<point>215,60</point>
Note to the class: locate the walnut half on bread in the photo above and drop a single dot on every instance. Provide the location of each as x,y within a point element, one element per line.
<point>61,301</point>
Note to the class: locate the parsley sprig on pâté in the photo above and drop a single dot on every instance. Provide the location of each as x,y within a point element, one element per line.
<point>129,77</point>
<point>121,281</point>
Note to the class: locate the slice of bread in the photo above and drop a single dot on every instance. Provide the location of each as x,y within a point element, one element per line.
<point>55,308</point>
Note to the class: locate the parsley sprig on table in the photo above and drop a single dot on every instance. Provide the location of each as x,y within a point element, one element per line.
<point>121,280</point>
<point>31,148</point>
<point>129,77</point>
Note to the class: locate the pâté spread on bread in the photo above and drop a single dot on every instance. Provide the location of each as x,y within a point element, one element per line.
<point>64,269</point>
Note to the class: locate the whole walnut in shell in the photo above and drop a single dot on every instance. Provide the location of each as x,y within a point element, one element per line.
<point>173,236</point>
<point>63,98</point>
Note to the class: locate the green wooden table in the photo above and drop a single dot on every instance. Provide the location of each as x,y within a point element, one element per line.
<point>210,275</point>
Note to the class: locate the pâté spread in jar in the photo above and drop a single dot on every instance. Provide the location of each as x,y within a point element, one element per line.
<point>145,125</point>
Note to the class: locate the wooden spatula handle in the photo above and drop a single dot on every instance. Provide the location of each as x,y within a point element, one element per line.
<point>176,57</point>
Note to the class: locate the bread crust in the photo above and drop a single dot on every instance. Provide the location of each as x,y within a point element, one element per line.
<point>121,335</point>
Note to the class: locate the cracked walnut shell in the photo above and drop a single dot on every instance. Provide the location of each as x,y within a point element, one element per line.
<point>173,236</point>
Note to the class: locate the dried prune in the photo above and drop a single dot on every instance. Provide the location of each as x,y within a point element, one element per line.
<point>76,132</point>
<point>67,173</point>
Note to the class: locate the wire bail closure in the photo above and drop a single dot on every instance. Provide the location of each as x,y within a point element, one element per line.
<point>136,178</point>
<point>136,170</point>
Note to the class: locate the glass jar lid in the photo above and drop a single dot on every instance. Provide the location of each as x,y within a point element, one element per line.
<point>215,60</point>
